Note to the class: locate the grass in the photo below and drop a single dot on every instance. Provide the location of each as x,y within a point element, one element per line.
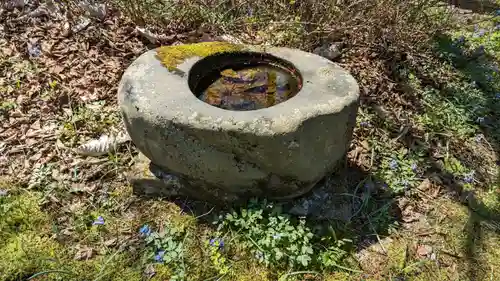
<point>423,177</point>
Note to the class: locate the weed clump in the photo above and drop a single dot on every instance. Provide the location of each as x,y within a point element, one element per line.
<point>275,239</point>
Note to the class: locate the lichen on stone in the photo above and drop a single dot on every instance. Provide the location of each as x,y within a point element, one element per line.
<point>171,56</point>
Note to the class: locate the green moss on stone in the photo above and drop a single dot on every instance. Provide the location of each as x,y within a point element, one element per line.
<point>171,56</point>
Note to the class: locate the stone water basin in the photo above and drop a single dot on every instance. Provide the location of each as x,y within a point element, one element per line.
<point>230,122</point>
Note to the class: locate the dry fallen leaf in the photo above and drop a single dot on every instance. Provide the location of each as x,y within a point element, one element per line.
<point>424,250</point>
<point>84,253</point>
<point>111,242</point>
<point>95,10</point>
<point>82,24</point>
<point>103,145</point>
<point>152,38</point>
<point>12,4</point>
<point>66,30</point>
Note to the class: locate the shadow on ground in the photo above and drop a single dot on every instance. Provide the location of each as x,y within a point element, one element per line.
<point>351,203</point>
<point>476,6</point>
<point>476,67</point>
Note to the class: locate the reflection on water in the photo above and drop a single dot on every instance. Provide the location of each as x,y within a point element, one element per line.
<point>250,88</point>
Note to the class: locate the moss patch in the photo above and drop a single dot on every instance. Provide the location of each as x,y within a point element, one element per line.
<point>21,213</point>
<point>171,56</point>
<point>26,254</point>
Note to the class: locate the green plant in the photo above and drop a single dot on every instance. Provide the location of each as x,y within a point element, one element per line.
<point>400,170</point>
<point>271,237</point>
<point>40,176</point>
<point>167,247</point>
<point>487,36</point>
<point>92,119</point>
<point>333,254</point>
<point>450,116</point>
<point>7,106</point>
<point>459,171</point>
<point>277,240</point>
<point>53,84</point>
<point>20,213</point>
<point>215,248</point>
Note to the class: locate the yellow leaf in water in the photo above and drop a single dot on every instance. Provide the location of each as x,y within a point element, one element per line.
<point>229,73</point>
<point>272,82</point>
<point>213,96</point>
<point>249,74</point>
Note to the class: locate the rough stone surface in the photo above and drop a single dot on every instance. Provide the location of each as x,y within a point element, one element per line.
<point>330,51</point>
<point>328,200</point>
<point>219,155</point>
<point>323,204</point>
<point>149,182</point>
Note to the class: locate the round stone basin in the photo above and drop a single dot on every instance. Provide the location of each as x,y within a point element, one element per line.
<point>275,137</point>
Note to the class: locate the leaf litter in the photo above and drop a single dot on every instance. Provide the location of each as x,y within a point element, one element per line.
<point>57,61</point>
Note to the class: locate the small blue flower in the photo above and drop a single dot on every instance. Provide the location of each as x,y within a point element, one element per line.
<point>145,230</point>
<point>497,96</point>
<point>460,40</point>
<point>480,33</point>
<point>3,192</point>
<point>217,242</point>
<point>365,124</point>
<point>405,183</point>
<point>414,167</point>
<point>250,12</point>
<point>480,120</point>
<point>98,221</point>
<point>34,51</point>
<point>384,186</point>
<point>393,164</point>
<point>159,256</point>
<point>469,178</point>
<point>497,12</point>
<point>497,27</point>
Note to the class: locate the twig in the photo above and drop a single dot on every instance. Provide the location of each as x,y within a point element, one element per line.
<point>205,214</point>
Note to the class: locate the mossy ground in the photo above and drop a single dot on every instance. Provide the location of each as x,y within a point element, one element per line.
<point>427,199</point>
<point>461,245</point>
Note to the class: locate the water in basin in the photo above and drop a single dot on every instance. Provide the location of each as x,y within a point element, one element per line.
<point>251,88</point>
